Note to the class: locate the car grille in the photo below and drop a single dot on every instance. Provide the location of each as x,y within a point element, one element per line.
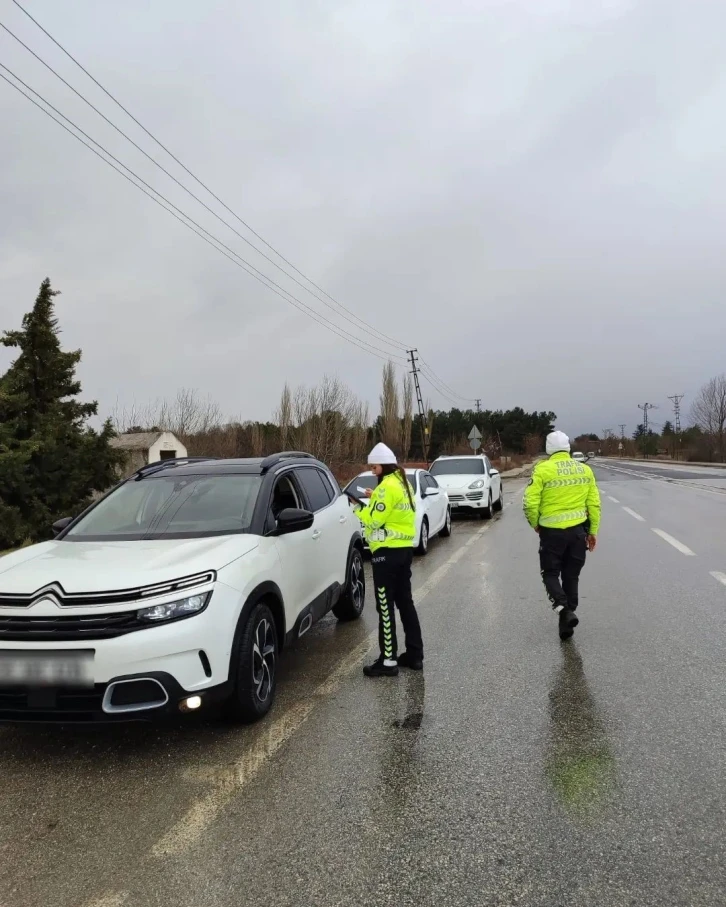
<point>118,597</point>
<point>52,705</point>
<point>456,497</point>
<point>17,628</point>
<point>475,496</point>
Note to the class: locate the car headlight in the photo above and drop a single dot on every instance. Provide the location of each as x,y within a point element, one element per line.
<point>172,610</point>
<point>478,484</point>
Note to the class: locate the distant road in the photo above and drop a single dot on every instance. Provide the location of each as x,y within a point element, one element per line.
<point>656,469</point>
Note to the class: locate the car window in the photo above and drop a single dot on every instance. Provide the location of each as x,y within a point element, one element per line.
<point>432,481</point>
<point>413,480</point>
<point>317,489</point>
<point>425,482</point>
<point>488,464</point>
<point>166,507</point>
<point>284,495</point>
<point>458,466</point>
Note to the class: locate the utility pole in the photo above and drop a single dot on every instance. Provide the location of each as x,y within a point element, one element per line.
<point>646,407</point>
<point>622,439</point>
<point>478,405</point>
<point>676,398</point>
<point>419,400</point>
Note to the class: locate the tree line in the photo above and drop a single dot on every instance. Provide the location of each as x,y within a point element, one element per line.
<point>53,462</point>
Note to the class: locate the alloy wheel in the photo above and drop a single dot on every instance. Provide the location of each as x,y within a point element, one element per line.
<point>357,582</point>
<point>263,659</point>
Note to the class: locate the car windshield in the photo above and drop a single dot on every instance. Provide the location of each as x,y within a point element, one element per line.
<point>364,481</point>
<point>466,466</point>
<point>171,507</point>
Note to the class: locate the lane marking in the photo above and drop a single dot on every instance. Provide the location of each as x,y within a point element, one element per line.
<point>111,899</point>
<point>679,546</point>
<point>635,515</point>
<point>721,577</point>
<point>229,779</point>
<point>614,500</point>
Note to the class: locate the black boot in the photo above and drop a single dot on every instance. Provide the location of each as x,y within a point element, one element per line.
<point>407,661</point>
<point>568,622</point>
<point>379,669</point>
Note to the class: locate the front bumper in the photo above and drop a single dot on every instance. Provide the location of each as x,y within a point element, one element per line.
<point>181,658</point>
<point>464,498</point>
<point>48,705</point>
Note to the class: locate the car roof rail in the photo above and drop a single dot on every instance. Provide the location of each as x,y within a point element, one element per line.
<point>276,458</point>
<point>159,465</point>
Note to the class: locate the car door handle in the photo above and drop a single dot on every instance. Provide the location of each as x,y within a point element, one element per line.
<point>343,519</point>
<point>317,534</point>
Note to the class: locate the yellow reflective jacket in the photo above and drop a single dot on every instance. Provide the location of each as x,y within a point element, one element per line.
<point>389,520</point>
<point>562,493</point>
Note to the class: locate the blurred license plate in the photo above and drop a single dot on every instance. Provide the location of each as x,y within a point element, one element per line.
<point>44,669</point>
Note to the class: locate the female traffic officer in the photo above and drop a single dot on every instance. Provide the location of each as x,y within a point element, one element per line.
<point>388,523</point>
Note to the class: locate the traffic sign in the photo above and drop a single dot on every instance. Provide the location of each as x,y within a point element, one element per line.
<point>475,443</point>
<point>475,435</point>
<point>620,446</point>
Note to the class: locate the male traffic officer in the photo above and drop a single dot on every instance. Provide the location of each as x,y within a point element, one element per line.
<point>562,504</point>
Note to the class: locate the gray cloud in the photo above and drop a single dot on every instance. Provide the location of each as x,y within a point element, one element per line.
<point>529,192</point>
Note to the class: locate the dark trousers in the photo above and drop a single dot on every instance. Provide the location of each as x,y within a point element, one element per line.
<point>392,581</point>
<point>561,558</point>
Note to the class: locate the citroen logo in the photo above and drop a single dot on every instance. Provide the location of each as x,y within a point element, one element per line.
<point>46,600</point>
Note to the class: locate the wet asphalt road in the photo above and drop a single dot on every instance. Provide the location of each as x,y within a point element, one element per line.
<point>515,770</point>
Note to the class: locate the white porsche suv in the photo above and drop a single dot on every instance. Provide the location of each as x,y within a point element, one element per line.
<point>177,590</point>
<point>471,483</point>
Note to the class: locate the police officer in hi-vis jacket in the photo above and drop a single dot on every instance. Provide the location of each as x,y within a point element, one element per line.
<point>562,504</point>
<point>389,528</point>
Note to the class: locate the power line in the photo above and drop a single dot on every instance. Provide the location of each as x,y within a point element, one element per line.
<point>381,337</point>
<point>437,379</point>
<point>187,221</point>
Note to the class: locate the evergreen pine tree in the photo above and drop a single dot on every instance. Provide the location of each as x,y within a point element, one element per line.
<point>51,461</point>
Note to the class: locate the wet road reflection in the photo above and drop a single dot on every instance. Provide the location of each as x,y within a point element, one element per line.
<point>402,714</point>
<point>579,764</point>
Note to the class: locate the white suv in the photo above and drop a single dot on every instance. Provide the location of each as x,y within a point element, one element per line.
<point>471,483</point>
<point>177,590</point>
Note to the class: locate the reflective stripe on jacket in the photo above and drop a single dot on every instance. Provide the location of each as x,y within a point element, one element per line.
<point>562,493</point>
<point>389,520</point>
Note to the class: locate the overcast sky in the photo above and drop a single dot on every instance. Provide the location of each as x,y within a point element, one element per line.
<point>531,192</point>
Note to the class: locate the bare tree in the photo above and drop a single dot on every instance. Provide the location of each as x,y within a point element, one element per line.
<point>390,415</point>
<point>407,421</point>
<point>709,412</point>
<point>284,417</point>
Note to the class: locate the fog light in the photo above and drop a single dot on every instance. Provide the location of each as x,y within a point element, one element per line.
<point>190,703</point>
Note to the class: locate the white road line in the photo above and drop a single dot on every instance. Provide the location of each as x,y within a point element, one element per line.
<point>614,500</point>
<point>229,779</point>
<point>721,577</point>
<point>679,546</point>
<point>111,899</point>
<point>635,515</point>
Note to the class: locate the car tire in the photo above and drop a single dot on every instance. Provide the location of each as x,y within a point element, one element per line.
<point>499,503</point>
<point>445,530</point>
<point>488,512</point>
<point>423,543</point>
<point>254,667</point>
<point>351,602</point>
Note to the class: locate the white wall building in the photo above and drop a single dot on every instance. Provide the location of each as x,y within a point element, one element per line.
<point>148,447</point>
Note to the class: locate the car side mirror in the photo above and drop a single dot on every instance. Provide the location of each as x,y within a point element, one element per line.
<point>430,492</point>
<point>61,524</point>
<point>493,472</point>
<point>291,519</point>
